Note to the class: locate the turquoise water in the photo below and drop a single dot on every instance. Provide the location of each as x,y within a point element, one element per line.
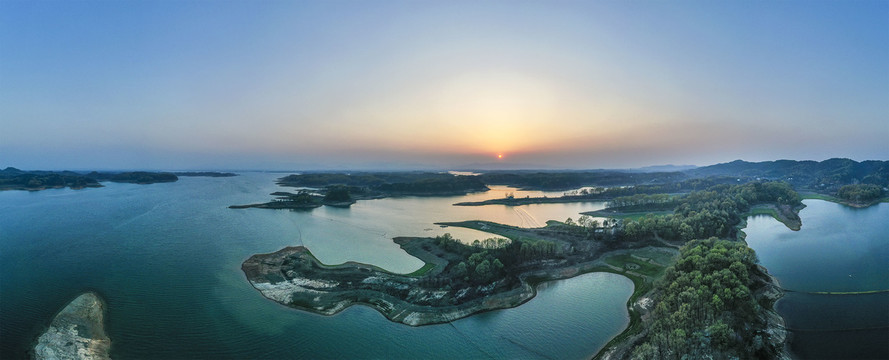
<point>838,249</point>
<point>167,257</point>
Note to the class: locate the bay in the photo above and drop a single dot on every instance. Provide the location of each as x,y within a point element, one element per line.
<point>167,257</point>
<point>838,249</point>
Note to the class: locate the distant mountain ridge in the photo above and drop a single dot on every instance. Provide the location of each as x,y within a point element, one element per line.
<point>823,175</point>
<point>664,168</point>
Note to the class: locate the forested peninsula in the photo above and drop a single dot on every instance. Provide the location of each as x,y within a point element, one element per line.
<point>460,279</point>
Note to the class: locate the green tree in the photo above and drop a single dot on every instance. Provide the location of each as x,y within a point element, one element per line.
<point>338,194</point>
<point>461,269</point>
<point>483,272</point>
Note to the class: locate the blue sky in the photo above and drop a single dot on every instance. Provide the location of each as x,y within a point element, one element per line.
<point>363,84</point>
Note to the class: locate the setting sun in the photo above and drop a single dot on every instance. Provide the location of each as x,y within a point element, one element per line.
<point>499,156</point>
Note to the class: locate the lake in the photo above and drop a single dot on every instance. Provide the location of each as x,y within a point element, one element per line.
<point>838,249</point>
<point>166,257</point>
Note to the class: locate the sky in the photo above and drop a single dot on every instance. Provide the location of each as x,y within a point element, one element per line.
<point>289,85</point>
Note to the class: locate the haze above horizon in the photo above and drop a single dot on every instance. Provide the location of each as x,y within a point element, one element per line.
<point>417,85</point>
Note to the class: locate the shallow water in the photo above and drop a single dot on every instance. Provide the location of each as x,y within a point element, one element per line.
<point>838,249</point>
<point>167,257</point>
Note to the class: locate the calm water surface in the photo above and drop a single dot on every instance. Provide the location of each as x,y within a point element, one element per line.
<point>167,259</point>
<point>838,249</point>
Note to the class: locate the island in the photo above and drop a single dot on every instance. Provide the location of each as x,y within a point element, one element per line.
<point>305,200</point>
<point>15,179</point>
<point>76,332</point>
<point>343,190</point>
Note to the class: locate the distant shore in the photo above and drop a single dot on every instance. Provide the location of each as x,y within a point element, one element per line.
<point>15,179</point>
<point>849,203</point>
<point>535,200</point>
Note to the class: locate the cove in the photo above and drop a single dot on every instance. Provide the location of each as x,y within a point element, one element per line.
<point>838,249</point>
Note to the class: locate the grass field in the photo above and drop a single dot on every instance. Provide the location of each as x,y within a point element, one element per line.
<point>423,270</point>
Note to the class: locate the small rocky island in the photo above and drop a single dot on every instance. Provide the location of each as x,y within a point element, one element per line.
<point>304,200</point>
<point>77,332</point>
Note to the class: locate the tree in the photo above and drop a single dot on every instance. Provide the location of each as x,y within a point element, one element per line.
<point>717,303</point>
<point>460,269</point>
<point>483,271</point>
<point>338,194</point>
<point>721,334</point>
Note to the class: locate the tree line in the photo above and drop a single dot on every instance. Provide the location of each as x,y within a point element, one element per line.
<point>860,192</point>
<point>711,212</point>
<point>491,259</point>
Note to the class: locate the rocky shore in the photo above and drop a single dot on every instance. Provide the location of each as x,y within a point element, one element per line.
<point>769,294</point>
<point>76,332</point>
<point>294,277</point>
<point>352,283</point>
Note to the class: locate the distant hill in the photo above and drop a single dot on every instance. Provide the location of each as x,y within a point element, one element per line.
<point>565,180</point>
<point>825,175</point>
<point>204,174</point>
<point>136,177</point>
<point>15,179</point>
<point>390,183</point>
<point>502,166</point>
<point>664,168</point>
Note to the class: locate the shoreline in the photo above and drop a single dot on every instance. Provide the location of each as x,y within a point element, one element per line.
<point>76,332</point>
<point>41,188</point>
<point>775,323</point>
<point>772,290</point>
<point>533,200</point>
<point>789,216</point>
<point>326,293</point>
<point>829,198</point>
